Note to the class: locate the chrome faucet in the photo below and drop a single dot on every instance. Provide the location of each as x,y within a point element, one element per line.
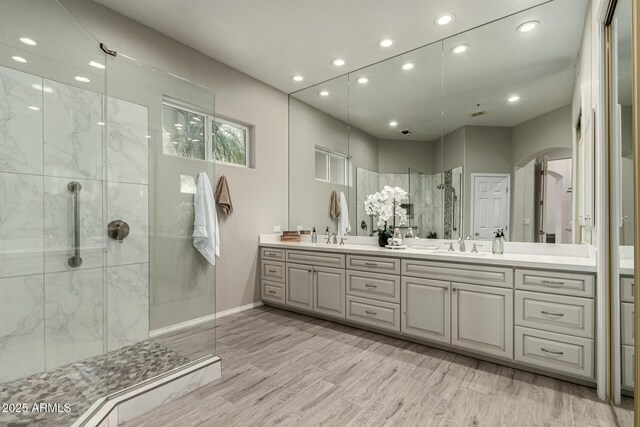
<point>332,239</point>
<point>462,248</point>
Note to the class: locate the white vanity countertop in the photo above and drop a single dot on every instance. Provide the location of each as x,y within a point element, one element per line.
<point>582,264</point>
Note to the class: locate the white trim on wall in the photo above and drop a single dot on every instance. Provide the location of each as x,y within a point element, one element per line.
<point>203,319</point>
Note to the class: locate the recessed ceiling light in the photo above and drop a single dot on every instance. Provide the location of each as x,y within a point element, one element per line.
<point>297,78</point>
<point>82,79</point>
<point>97,65</point>
<point>408,66</point>
<point>34,108</point>
<point>460,48</point>
<point>46,89</point>
<point>445,19</point>
<point>323,93</point>
<point>102,124</point>
<point>514,98</point>
<point>393,124</point>
<point>19,59</point>
<point>178,125</point>
<point>388,42</point>
<point>527,26</point>
<point>28,41</point>
<point>338,62</point>
<point>363,80</point>
<point>148,136</point>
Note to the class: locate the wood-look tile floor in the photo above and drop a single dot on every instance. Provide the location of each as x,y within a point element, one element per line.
<point>282,368</point>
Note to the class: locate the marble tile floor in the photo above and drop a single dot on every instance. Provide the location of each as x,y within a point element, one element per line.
<point>282,368</point>
<point>84,382</point>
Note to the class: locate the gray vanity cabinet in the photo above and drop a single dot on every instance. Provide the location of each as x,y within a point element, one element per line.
<point>299,288</point>
<point>482,319</point>
<point>426,309</point>
<point>319,289</point>
<point>329,291</point>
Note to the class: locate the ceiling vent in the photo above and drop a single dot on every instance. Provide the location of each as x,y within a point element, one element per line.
<point>477,113</point>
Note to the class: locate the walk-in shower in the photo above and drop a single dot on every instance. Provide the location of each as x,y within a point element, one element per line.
<point>100,286</point>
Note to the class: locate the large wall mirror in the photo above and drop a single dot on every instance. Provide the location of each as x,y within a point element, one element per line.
<point>619,34</point>
<point>486,130</point>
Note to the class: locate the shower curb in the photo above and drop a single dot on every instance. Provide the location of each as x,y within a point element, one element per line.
<point>130,403</point>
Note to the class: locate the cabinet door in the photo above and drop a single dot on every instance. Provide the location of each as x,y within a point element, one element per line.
<point>426,309</point>
<point>329,291</point>
<point>482,319</point>
<point>300,286</point>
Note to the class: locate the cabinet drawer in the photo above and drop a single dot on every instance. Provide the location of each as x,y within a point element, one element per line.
<point>272,291</point>
<point>379,314</point>
<point>626,318</point>
<point>627,366</point>
<point>555,352</point>
<point>374,264</point>
<point>272,254</point>
<point>315,258</point>
<point>555,313</point>
<point>555,282</point>
<point>451,272</point>
<point>627,289</point>
<point>274,271</point>
<point>383,287</point>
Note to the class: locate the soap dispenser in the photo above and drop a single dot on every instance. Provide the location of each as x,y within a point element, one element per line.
<point>314,236</point>
<point>498,243</point>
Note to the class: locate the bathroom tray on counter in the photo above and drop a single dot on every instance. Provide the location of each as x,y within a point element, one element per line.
<point>396,247</point>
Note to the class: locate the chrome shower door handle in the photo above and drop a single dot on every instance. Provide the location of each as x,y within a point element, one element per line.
<point>75,260</point>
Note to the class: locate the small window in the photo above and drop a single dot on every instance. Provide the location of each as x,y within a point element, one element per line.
<point>231,142</point>
<point>183,132</point>
<point>331,167</point>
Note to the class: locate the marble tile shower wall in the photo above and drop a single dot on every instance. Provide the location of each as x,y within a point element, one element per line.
<point>50,313</point>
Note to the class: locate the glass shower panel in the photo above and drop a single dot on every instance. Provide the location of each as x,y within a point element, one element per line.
<point>161,290</point>
<point>52,294</point>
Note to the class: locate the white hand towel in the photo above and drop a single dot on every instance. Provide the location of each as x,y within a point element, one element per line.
<point>344,227</point>
<point>206,234</point>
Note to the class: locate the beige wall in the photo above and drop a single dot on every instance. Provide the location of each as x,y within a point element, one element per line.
<point>550,131</point>
<point>488,150</point>
<point>260,194</point>
<point>397,156</point>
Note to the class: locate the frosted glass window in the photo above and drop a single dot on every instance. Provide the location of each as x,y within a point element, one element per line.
<point>322,167</point>
<point>337,170</point>
<point>331,167</point>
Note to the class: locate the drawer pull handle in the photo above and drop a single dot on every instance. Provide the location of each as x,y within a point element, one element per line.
<point>548,313</point>
<point>368,285</point>
<point>272,292</point>
<point>371,313</point>
<point>271,254</point>
<point>632,290</point>
<point>552,282</point>
<point>272,271</point>
<point>371,264</point>
<point>559,353</point>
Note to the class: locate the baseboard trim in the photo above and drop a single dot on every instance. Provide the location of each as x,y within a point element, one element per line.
<point>203,319</point>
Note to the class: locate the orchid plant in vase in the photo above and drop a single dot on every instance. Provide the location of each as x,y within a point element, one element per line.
<point>386,205</point>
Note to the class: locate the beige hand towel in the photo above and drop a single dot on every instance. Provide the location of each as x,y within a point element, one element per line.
<point>223,197</point>
<point>334,206</point>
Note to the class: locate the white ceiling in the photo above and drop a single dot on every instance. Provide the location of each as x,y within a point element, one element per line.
<point>539,66</point>
<point>273,40</point>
